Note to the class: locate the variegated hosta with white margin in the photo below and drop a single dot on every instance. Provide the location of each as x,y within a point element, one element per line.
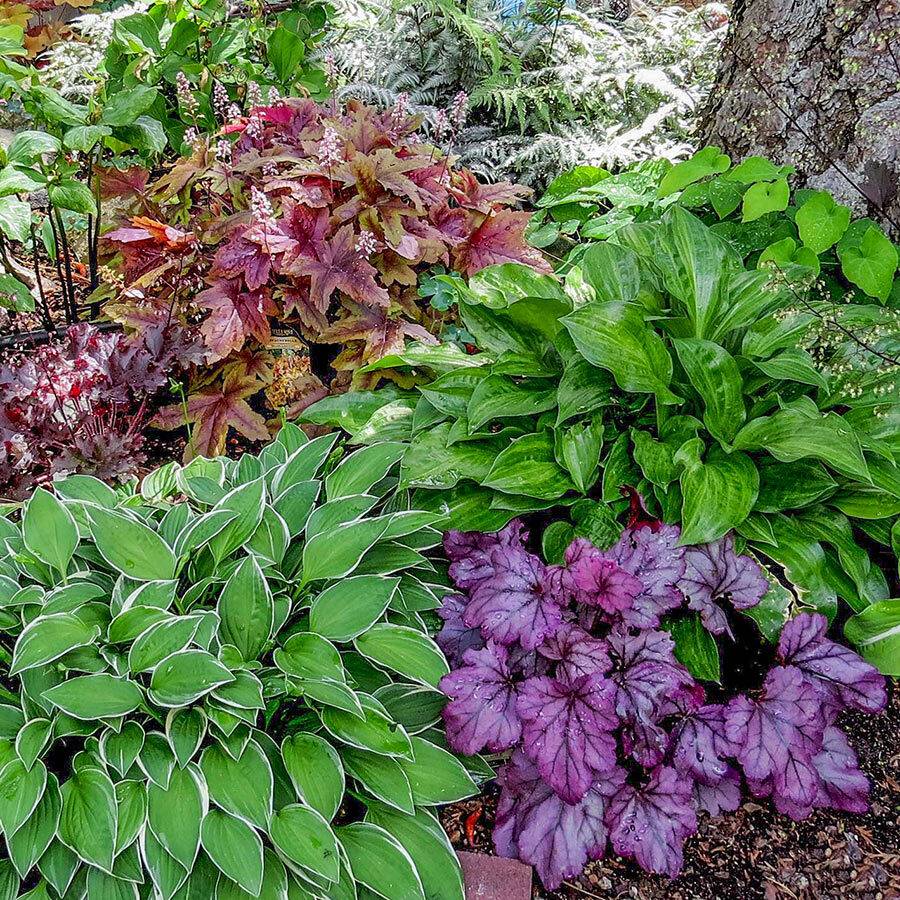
<point>544,99</point>
<point>222,685</point>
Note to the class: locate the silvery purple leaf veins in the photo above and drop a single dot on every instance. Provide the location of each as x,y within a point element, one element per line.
<point>614,743</point>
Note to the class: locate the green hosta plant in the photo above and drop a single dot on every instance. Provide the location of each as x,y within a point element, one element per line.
<point>223,685</point>
<point>662,367</point>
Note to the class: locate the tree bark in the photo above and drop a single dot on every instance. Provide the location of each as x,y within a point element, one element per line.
<point>816,84</point>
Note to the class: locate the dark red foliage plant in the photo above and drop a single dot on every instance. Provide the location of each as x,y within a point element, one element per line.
<point>613,741</point>
<point>81,404</point>
<point>318,220</point>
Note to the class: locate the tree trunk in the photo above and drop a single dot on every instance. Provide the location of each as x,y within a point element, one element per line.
<point>816,83</point>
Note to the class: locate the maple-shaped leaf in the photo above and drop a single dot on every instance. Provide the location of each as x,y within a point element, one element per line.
<point>470,193</point>
<point>469,552</point>
<point>843,785</point>
<point>381,333</point>
<point>212,411</point>
<point>338,266</point>
<point>452,223</point>
<point>715,572</point>
<point>499,239</point>
<point>700,747</point>
<point>655,558</point>
<point>242,258</point>
<point>534,824</point>
<point>481,714</point>
<point>147,245</point>
<point>594,580</point>
<point>235,315</point>
<point>575,651</point>
<point>305,225</point>
<point>649,824</point>
<point>568,731</point>
<point>121,182</point>
<point>777,737</point>
<point>455,637</point>
<point>839,674</point>
<point>372,174</point>
<point>516,603</point>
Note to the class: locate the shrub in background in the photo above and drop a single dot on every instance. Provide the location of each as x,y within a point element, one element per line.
<point>317,218</point>
<point>226,695</point>
<point>614,738</point>
<point>551,86</point>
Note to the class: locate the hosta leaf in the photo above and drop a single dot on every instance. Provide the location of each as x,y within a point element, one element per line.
<point>28,843</point>
<point>235,848</point>
<point>347,609</point>
<point>99,696</point>
<point>379,862</point>
<point>436,776</point>
<point>49,530</point>
<point>374,731</point>
<point>240,786</point>
<point>404,650</point>
<point>615,337</point>
<point>47,638</point>
<point>316,772</point>
<point>306,839</point>
<point>21,790</point>
<point>246,610</point>
<point>87,824</point>
<point>184,677</point>
<point>131,547</point>
<point>174,814</point>
<point>528,466</point>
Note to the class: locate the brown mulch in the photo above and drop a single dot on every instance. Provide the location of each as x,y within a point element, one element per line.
<point>754,853</point>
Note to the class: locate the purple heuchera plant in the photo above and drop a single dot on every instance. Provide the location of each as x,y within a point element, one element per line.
<point>612,740</point>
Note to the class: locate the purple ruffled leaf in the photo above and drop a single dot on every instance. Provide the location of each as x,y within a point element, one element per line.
<point>535,825</point>
<point>647,676</point>
<point>715,572</point>
<point>777,737</point>
<point>843,786</point>
<point>455,637</point>
<point>657,561</point>
<point>567,730</point>
<point>651,823</point>
<point>470,552</point>
<point>592,579</point>
<point>514,603</point>
<point>722,797</point>
<point>840,676</point>
<point>575,652</point>
<point>700,746</point>
<point>481,714</point>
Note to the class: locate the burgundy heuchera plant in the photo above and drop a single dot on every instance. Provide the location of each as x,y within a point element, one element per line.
<point>612,740</point>
<point>81,404</point>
